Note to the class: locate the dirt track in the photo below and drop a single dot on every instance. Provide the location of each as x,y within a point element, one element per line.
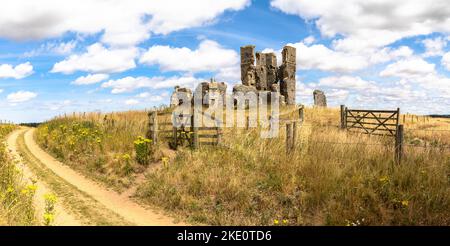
<point>119,204</point>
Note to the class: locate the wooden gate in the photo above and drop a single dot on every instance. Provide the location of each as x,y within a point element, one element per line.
<point>183,129</point>
<point>375,122</point>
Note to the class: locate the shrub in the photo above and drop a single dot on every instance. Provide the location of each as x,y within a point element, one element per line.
<point>144,150</point>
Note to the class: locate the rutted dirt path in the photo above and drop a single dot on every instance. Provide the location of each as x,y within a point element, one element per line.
<point>120,204</point>
<point>62,218</point>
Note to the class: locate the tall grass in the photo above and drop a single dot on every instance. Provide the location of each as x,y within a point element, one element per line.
<point>97,144</point>
<point>16,197</point>
<point>332,178</point>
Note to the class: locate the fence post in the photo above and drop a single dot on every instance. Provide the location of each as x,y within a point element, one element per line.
<point>194,130</point>
<point>399,144</point>
<point>219,135</point>
<point>301,113</point>
<point>174,136</point>
<point>153,126</point>
<point>342,117</point>
<point>247,123</point>
<point>289,137</point>
<point>294,134</point>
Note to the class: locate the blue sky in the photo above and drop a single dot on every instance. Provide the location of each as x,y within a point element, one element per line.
<point>109,55</point>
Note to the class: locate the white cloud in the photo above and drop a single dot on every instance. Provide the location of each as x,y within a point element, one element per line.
<point>408,68</point>
<point>131,102</point>
<point>347,82</point>
<point>320,57</point>
<point>434,47</point>
<point>98,59</point>
<point>129,84</point>
<point>309,40</point>
<point>20,96</point>
<point>209,56</point>
<point>446,60</point>
<point>18,72</point>
<point>90,79</point>
<point>123,23</point>
<point>371,23</point>
<point>61,48</point>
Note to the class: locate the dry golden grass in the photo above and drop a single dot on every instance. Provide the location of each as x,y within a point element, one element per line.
<point>16,197</point>
<point>332,178</point>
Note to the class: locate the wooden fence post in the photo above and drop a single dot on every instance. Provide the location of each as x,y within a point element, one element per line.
<point>153,126</point>
<point>342,117</point>
<point>175,137</point>
<point>301,113</point>
<point>345,117</point>
<point>219,135</point>
<point>194,130</point>
<point>289,135</point>
<point>247,123</point>
<point>399,144</point>
<point>294,134</point>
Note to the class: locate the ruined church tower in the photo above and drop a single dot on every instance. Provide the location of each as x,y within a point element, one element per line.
<point>266,75</point>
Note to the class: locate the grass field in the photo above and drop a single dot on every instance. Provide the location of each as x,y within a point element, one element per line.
<point>332,177</point>
<point>16,197</point>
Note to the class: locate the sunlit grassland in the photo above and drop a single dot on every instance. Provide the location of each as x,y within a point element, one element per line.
<point>332,178</point>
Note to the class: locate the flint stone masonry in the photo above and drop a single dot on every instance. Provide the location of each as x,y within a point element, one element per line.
<point>179,94</point>
<point>320,99</point>
<point>248,69</point>
<point>265,74</point>
<point>211,92</point>
<point>287,74</point>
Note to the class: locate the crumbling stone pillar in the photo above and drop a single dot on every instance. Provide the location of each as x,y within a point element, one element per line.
<point>272,67</point>
<point>261,71</point>
<point>320,100</point>
<point>248,70</point>
<point>179,94</point>
<point>287,74</point>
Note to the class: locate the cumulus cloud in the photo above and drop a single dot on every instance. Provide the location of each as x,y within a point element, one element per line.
<point>120,22</point>
<point>434,47</point>
<point>58,48</point>
<point>18,72</point>
<point>98,59</point>
<point>131,102</point>
<point>347,82</point>
<point>370,23</point>
<point>320,57</point>
<point>209,56</point>
<point>90,79</point>
<point>446,60</point>
<point>20,96</point>
<point>129,84</point>
<point>408,68</point>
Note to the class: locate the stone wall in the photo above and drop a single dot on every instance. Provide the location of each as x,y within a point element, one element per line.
<point>266,74</point>
<point>287,74</point>
<point>320,100</point>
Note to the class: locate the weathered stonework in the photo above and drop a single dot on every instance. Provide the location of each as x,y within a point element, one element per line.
<point>179,95</point>
<point>320,100</point>
<point>210,92</point>
<point>248,69</point>
<point>266,74</point>
<point>261,71</point>
<point>287,74</point>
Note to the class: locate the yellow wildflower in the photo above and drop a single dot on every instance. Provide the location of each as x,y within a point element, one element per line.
<point>276,222</point>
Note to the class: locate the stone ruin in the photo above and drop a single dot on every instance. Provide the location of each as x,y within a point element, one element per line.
<point>211,92</point>
<point>320,100</point>
<point>265,76</point>
<point>259,74</point>
<point>179,94</point>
